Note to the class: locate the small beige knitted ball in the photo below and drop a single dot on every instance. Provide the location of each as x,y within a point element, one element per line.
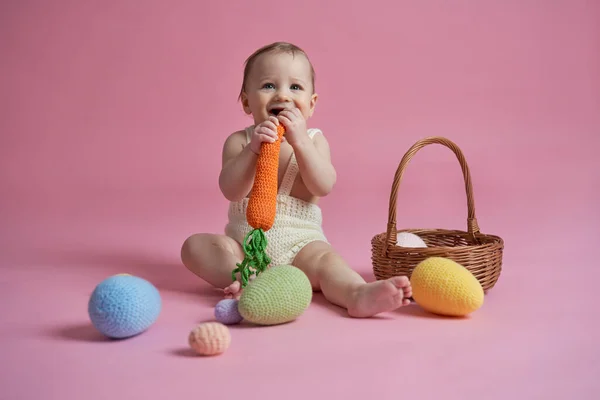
<point>210,338</point>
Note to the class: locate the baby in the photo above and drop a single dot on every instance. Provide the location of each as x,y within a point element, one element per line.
<point>279,88</point>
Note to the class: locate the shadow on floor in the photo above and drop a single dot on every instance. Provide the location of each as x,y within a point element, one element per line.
<point>414,310</point>
<point>184,352</point>
<point>83,332</point>
<point>320,301</point>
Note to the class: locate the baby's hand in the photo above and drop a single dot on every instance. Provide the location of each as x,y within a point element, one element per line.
<point>295,125</point>
<point>266,131</point>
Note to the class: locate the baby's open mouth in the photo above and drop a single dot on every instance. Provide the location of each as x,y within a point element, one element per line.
<point>276,110</point>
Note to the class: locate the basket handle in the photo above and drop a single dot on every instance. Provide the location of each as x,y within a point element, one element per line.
<point>472,226</point>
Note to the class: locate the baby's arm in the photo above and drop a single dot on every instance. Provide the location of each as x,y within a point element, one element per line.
<point>238,167</point>
<point>314,163</point>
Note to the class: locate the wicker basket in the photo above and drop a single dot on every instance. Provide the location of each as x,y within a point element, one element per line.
<point>481,254</point>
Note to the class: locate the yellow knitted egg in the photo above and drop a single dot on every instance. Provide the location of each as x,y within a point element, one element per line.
<point>442,286</point>
<point>209,338</point>
<point>278,295</point>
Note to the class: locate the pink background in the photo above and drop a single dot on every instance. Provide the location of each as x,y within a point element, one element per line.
<point>112,118</point>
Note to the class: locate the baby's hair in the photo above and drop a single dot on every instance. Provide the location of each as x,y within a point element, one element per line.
<point>277,47</point>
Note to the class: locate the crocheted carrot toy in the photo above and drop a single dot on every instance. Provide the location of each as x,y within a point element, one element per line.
<point>261,210</point>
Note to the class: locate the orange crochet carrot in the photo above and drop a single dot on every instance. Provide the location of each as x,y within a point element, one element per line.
<point>261,205</point>
<point>260,213</point>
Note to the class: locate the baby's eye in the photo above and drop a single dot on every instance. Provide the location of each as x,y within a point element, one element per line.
<point>296,87</point>
<point>268,86</point>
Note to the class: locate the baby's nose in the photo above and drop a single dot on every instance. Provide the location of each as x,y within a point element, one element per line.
<point>282,96</point>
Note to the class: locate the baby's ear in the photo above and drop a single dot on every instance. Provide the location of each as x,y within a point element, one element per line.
<point>313,103</point>
<point>245,104</point>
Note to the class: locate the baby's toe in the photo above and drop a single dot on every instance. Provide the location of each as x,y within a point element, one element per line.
<point>401,282</point>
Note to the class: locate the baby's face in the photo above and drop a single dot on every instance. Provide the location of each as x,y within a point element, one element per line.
<point>276,82</point>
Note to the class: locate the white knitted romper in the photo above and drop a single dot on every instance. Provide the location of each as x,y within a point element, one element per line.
<point>296,224</point>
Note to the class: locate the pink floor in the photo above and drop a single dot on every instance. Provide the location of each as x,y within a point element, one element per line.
<point>535,337</point>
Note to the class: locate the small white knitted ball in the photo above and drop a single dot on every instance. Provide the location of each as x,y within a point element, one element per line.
<point>407,239</point>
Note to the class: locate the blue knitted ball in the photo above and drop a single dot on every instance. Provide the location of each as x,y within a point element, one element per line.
<point>123,305</point>
<point>226,312</point>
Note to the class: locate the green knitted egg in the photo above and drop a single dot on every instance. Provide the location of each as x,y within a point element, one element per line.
<point>276,296</point>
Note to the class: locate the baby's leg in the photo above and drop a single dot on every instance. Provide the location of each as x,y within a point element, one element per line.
<point>343,286</point>
<point>212,257</point>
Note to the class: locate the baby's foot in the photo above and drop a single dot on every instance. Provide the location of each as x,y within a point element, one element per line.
<point>380,296</point>
<point>233,291</point>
